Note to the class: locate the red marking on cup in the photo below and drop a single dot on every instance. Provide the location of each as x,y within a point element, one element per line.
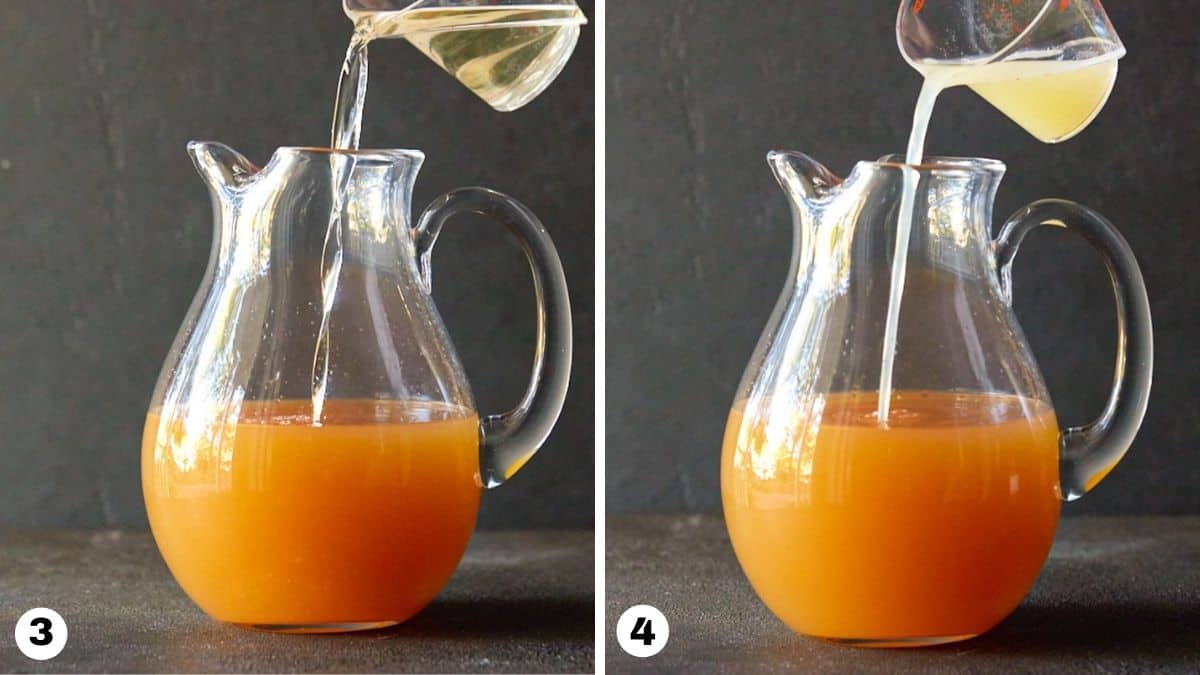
<point>917,6</point>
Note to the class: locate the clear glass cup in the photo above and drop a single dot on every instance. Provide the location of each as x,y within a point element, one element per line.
<point>986,31</point>
<point>505,51</point>
<point>1050,66</point>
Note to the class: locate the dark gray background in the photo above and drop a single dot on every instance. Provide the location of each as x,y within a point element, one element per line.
<point>106,227</point>
<point>698,232</point>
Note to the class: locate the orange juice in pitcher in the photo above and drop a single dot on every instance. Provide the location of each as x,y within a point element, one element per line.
<point>269,520</point>
<point>935,525</point>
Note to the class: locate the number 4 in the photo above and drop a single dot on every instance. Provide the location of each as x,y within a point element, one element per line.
<point>642,631</point>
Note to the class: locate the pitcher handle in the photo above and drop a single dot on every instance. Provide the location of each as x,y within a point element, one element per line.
<point>510,439</point>
<point>1089,452</point>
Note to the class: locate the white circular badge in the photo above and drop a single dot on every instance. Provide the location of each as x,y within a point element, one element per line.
<point>642,631</point>
<point>41,634</point>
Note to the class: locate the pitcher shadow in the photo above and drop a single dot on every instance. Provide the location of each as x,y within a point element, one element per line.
<point>1140,636</point>
<point>1118,629</point>
<point>554,620</point>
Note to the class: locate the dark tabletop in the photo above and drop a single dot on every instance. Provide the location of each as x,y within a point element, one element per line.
<point>519,602</point>
<point>1118,595</point>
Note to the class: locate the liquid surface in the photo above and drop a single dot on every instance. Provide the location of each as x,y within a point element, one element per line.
<point>936,525</point>
<point>1051,99</point>
<point>267,519</point>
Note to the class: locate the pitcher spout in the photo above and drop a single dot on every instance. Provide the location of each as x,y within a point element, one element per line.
<point>222,167</point>
<point>804,179</point>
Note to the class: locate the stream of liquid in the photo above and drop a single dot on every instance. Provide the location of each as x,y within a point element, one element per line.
<point>506,54</point>
<point>344,135</point>
<point>1052,100</point>
<point>351,95</point>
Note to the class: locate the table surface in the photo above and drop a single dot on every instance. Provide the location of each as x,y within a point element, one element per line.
<point>519,602</point>
<point>1118,595</point>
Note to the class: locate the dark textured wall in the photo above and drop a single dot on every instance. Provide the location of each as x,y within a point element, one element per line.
<point>698,232</point>
<point>106,228</point>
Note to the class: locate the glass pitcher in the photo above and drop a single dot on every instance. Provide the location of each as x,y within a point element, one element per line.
<point>312,459</point>
<point>932,527</point>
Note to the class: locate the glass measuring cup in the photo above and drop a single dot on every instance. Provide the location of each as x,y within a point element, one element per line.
<point>1049,66</point>
<point>505,51</point>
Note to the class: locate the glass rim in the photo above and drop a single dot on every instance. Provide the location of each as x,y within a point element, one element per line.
<point>1117,47</point>
<point>380,155</point>
<point>939,164</point>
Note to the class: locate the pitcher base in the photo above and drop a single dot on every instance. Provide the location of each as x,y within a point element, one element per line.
<point>314,628</point>
<point>891,643</point>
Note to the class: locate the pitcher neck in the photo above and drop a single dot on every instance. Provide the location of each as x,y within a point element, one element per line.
<point>307,200</point>
<point>945,203</point>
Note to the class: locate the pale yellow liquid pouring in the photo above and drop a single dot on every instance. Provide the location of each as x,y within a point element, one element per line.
<point>1052,100</point>
<point>506,54</point>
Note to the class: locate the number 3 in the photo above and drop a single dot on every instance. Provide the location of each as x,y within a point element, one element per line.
<point>43,637</point>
